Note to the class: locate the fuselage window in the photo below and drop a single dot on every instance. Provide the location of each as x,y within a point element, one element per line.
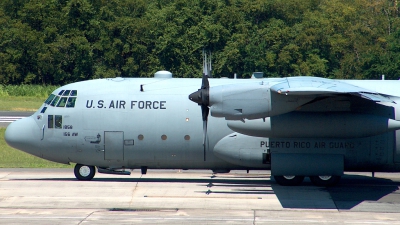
<point>58,121</point>
<point>54,102</point>
<point>62,102</point>
<point>50,121</point>
<point>71,102</point>
<point>49,99</point>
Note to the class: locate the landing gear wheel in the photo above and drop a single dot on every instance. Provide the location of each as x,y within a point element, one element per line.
<point>84,172</point>
<point>325,181</point>
<point>289,180</point>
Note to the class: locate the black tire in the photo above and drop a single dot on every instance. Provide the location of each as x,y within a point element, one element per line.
<point>325,181</point>
<point>84,172</point>
<point>289,180</point>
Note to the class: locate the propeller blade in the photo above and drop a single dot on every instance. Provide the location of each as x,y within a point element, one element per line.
<point>205,145</point>
<point>204,82</point>
<point>202,98</point>
<point>204,111</point>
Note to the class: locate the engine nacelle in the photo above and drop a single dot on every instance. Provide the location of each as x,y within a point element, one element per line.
<point>251,101</point>
<point>243,150</point>
<point>316,125</point>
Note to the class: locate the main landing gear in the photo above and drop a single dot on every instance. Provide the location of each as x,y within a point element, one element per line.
<point>322,181</point>
<point>84,172</point>
<point>325,181</point>
<point>289,180</point>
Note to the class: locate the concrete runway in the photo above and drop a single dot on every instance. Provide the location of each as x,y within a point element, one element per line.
<point>6,117</point>
<point>54,196</point>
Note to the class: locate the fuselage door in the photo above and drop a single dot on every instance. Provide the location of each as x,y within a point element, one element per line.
<point>114,145</point>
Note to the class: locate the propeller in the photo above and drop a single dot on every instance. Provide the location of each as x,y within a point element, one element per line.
<point>202,97</point>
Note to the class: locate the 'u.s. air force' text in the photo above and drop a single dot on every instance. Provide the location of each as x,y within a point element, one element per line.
<point>121,104</point>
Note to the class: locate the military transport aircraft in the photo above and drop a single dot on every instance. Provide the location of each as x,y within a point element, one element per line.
<point>294,126</point>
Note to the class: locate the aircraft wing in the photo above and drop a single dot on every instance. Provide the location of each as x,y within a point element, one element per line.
<point>253,100</point>
<point>305,86</point>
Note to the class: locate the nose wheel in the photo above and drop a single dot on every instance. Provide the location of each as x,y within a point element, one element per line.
<point>84,172</point>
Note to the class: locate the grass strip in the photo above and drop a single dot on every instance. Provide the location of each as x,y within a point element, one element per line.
<point>20,103</point>
<point>23,97</point>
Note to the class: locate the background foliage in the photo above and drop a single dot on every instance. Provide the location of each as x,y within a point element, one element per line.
<point>38,91</point>
<point>54,42</point>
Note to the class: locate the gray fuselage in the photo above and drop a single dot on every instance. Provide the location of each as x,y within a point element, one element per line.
<point>148,122</point>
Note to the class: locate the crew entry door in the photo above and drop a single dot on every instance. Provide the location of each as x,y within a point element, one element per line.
<point>113,145</point>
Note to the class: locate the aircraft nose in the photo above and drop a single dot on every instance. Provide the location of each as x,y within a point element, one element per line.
<point>23,134</point>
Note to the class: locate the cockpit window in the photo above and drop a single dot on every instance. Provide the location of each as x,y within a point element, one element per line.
<point>62,102</point>
<point>63,99</point>
<point>71,102</point>
<point>49,99</point>
<point>55,100</point>
<point>66,93</point>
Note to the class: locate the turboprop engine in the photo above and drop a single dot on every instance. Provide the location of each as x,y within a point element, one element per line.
<point>246,101</point>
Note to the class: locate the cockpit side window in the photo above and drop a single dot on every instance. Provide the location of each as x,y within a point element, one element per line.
<point>58,121</point>
<point>50,121</point>
<point>54,121</point>
<point>74,93</point>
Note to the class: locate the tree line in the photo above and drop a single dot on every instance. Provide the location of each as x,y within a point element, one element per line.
<point>53,42</point>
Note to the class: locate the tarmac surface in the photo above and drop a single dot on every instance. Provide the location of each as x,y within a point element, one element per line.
<point>54,196</point>
<point>7,117</point>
